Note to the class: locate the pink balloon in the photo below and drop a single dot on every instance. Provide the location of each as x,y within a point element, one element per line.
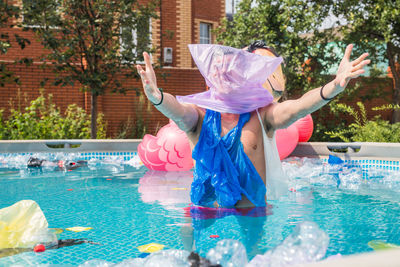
<point>305,126</point>
<point>168,151</point>
<point>286,140</point>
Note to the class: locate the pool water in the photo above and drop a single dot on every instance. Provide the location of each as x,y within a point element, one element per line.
<point>128,207</point>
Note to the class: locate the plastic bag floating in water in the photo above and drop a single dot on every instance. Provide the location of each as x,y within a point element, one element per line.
<point>23,225</point>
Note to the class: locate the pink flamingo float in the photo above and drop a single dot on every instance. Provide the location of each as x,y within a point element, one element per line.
<point>168,151</point>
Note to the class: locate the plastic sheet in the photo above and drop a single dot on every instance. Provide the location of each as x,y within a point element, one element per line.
<point>235,78</point>
<point>23,225</point>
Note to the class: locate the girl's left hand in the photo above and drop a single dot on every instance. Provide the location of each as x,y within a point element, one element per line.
<point>350,69</point>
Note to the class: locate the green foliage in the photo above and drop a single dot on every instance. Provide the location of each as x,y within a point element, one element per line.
<point>293,28</point>
<point>374,26</point>
<point>92,42</point>
<point>387,107</point>
<point>2,128</point>
<point>364,130</point>
<point>371,25</point>
<point>43,120</point>
<point>283,25</point>
<point>98,35</point>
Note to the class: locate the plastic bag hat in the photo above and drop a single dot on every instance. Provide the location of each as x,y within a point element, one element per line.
<point>235,78</point>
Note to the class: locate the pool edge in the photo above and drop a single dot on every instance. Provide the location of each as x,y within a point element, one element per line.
<point>387,258</point>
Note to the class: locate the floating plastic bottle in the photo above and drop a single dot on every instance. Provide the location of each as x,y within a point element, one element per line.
<point>307,243</point>
<point>228,253</point>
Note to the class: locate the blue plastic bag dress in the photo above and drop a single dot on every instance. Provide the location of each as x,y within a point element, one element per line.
<point>223,172</point>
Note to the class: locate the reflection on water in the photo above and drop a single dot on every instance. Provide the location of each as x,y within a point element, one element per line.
<point>166,188</point>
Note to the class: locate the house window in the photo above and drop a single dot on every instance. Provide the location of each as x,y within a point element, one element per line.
<point>205,33</point>
<point>136,41</point>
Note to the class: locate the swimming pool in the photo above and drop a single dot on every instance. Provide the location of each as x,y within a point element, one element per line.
<point>129,207</point>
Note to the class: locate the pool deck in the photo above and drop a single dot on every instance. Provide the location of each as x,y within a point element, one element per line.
<point>70,146</point>
<point>348,151</point>
<point>383,258</point>
<point>356,150</point>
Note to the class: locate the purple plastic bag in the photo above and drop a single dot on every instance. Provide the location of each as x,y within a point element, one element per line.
<point>235,78</point>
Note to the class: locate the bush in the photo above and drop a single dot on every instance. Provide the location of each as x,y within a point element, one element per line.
<point>43,120</point>
<point>363,130</point>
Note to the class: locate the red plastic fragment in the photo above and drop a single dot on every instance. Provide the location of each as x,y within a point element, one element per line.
<point>39,248</point>
<point>214,236</point>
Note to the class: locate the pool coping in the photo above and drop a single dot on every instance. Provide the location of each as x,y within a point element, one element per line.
<point>310,149</point>
<point>354,150</point>
<point>387,258</point>
<point>83,145</point>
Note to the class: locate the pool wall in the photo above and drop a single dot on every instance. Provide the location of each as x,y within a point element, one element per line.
<point>356,150</point>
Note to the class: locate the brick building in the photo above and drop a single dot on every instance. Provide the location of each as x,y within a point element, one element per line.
<point>189,21</point>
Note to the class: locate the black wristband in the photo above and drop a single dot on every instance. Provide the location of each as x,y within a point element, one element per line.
<point>162,97</point>
<point>322,96</point>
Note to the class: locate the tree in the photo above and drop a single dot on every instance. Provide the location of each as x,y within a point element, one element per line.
<point>374,25</point>
<point>285,25</point>
<point>93,42</point>
<point>296,29</point>
<point>9,14</point>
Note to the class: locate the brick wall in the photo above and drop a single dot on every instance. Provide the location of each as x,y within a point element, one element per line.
<point>380,85</point>
<point>184,29</point>
<point>117,108</point>
<point>202,9</point>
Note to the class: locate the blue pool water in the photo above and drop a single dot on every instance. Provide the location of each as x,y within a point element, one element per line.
<point>128,207</point>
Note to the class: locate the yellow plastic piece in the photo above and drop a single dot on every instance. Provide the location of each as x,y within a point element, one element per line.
<point>78,229</point>
<point>23,225</point>
<point>380,245</point>
<point>150,248</point>
<point>57,231</point>
<point>179,188</point>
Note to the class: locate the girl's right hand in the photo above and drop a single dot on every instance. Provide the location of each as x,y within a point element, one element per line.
<point>149,80</point>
